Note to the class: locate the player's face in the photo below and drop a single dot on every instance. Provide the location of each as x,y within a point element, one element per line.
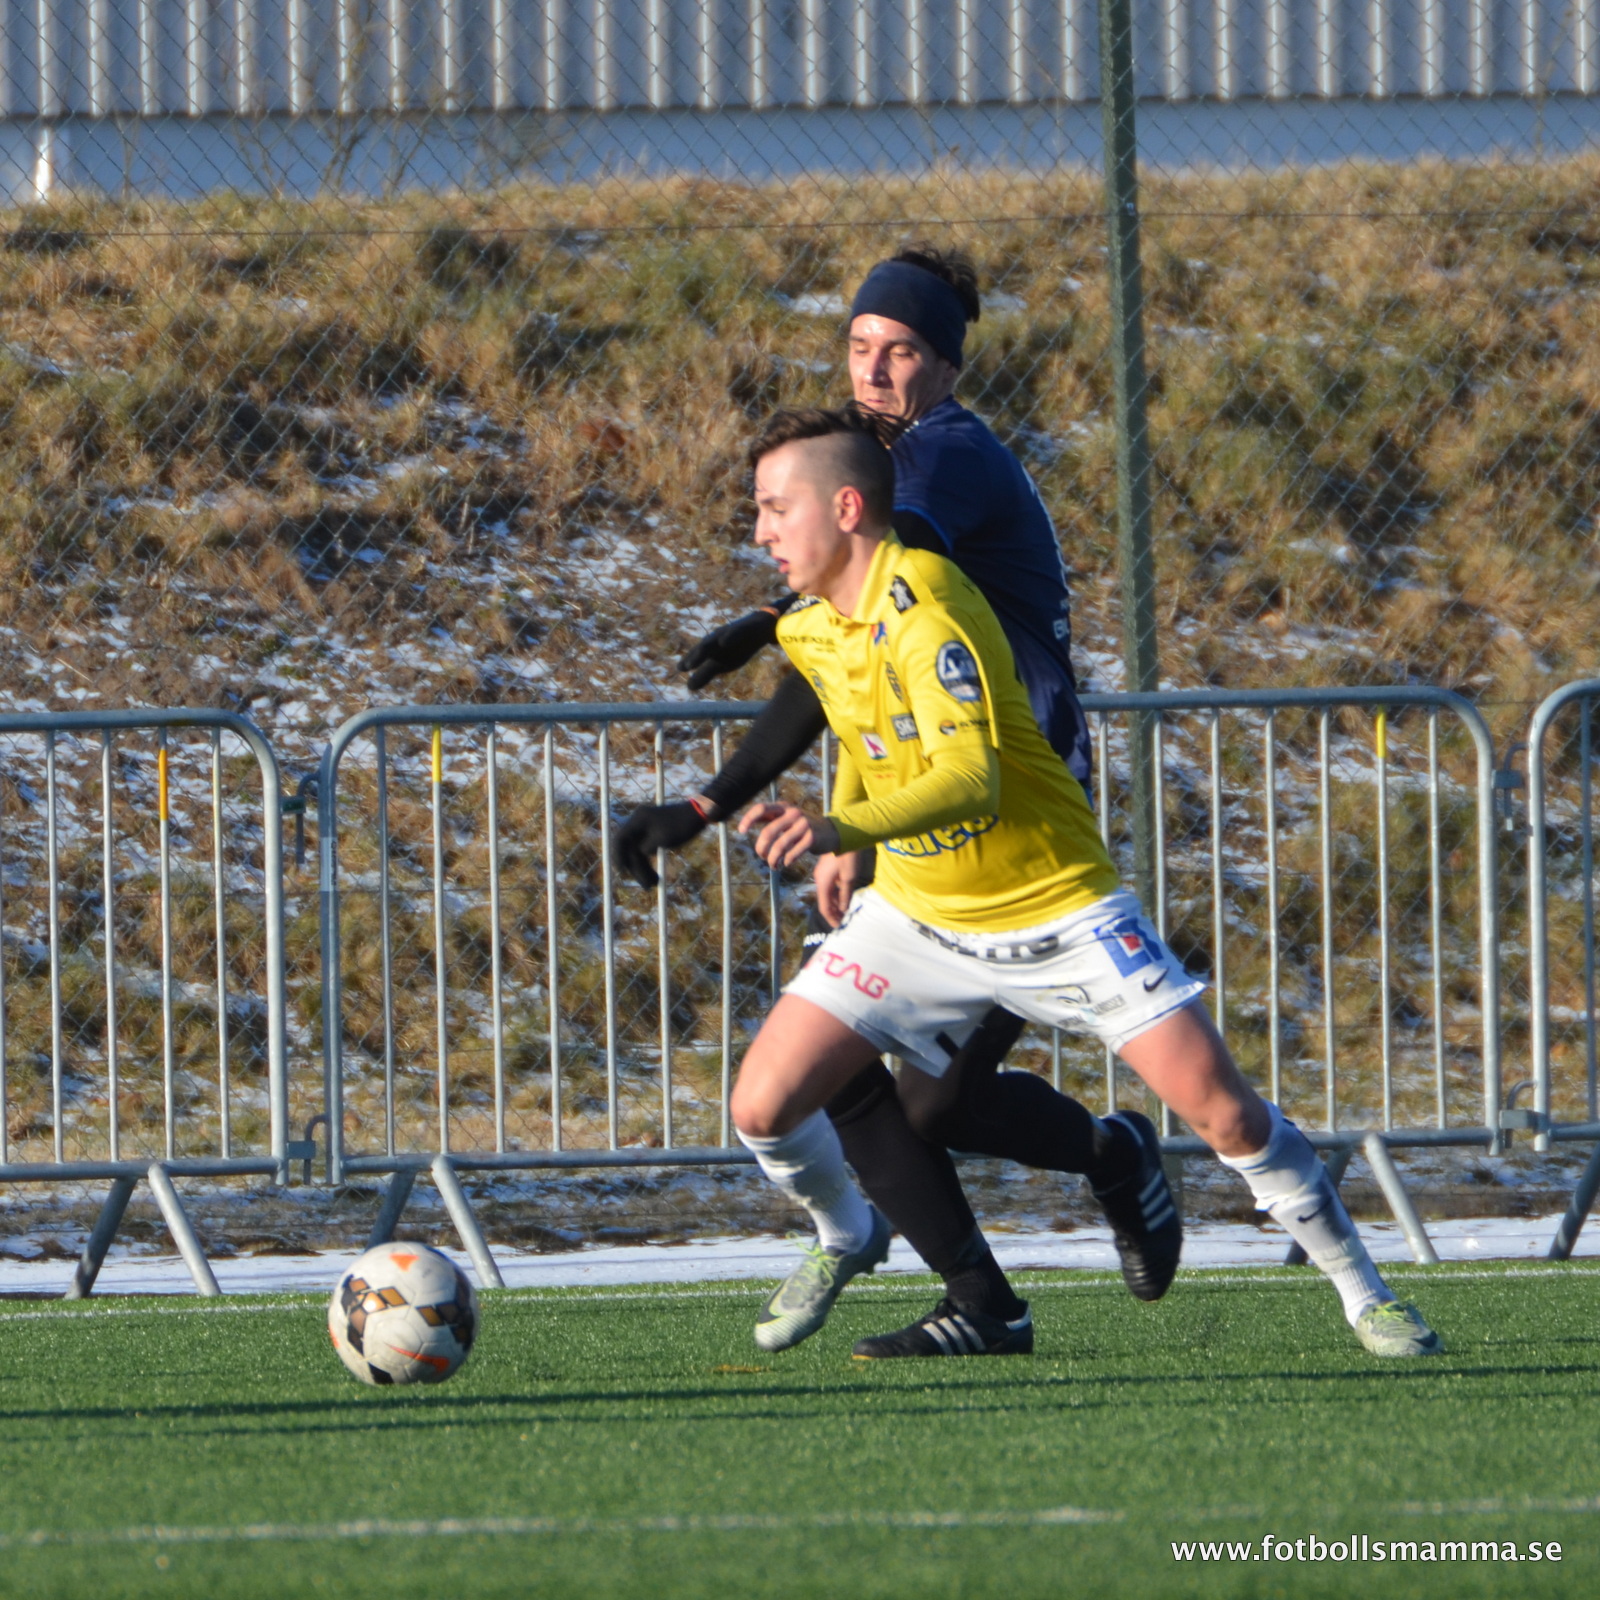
<point>798,523</point>
<point>893,369</point>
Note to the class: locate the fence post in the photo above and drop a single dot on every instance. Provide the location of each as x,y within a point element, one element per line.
<point>1134,556</point>
<point>328,908</point>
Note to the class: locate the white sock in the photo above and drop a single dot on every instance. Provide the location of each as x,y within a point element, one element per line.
<point>807,1164</point>
<point>1291,1183</point>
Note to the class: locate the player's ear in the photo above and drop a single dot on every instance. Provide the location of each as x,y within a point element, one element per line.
<point>849,508</point>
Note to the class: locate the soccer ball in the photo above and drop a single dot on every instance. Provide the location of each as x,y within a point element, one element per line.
<point>403,1313</point>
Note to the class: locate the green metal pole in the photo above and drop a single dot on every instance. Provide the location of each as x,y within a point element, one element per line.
<point>1134,554</point>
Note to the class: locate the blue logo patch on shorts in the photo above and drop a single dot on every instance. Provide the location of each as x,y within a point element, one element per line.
<point>1127,946</point>
<point>958,672</point>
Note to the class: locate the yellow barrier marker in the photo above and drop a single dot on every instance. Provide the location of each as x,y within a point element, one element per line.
<point>161,780</point>
<point>1383,735</point>
<point>438,755</point>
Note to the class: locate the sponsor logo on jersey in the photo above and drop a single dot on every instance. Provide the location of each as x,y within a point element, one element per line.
<point>1073,994</point>
<point>947,728</point>
<point>900,593</point>
<point>1061,628</point>
<point>877,750</point>
<point>1126,944</point>
<point>880,632</point>
<point>804,603</point>
<point>958,672</point>
<point>905,727</point>
<point>894,683</point>
<point>872,984</point>
<point>941,841</point>
<point>817,684</point>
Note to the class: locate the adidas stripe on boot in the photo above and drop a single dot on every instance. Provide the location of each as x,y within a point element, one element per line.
<point>946,1331</point>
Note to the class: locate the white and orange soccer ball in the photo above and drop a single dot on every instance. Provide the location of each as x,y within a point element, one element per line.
<point>403,1313</point>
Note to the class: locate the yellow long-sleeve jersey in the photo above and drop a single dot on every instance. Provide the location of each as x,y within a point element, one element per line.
<point>942,763</point>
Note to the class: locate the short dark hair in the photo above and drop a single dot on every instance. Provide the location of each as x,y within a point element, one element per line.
<point>858,459</point>
<point>949,266</point>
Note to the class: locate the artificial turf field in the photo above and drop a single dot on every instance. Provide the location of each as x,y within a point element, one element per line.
<point>636,1443</point>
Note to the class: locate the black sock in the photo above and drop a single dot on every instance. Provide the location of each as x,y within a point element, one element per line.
<point>981,1286</point>
<point>1018,1116</point>
<point>914,1184</point>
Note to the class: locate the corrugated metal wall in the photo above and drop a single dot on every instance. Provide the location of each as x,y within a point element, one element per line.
<point>196,58</point>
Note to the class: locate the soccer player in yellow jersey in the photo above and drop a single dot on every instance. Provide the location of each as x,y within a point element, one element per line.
<point>992,888</point>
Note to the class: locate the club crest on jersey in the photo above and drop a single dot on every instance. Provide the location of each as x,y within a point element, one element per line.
<point>905,727</point>
<point>900,593</point>
<point>877,750</point>
<point>1127,946</point>
<point>894,683</point>
<point>958,672</point>
<point>880,632</point>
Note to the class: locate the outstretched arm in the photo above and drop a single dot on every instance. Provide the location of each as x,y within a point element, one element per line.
<point>790,723</point>
<point>786,728</point>
<point>727,648</point>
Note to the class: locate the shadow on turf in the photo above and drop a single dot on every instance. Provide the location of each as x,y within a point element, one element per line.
<point>404,1409</point>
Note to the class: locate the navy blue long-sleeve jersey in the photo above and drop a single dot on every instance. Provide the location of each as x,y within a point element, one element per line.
<point>960,492</point>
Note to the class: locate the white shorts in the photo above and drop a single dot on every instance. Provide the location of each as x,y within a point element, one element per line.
<point>919,992</point>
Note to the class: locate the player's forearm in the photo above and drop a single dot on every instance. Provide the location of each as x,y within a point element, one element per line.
<point>788,726</point>
<point>961,785</point>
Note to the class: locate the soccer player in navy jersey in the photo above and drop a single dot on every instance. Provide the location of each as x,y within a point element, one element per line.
<point>958,491</point>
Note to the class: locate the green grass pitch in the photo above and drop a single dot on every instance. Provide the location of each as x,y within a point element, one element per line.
<point>636,1443</point>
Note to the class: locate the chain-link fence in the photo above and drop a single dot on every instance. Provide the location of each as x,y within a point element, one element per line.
<point>359,354</point>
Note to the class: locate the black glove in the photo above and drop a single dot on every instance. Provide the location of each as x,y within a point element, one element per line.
<point>653,828</point>
<point>730,646</point>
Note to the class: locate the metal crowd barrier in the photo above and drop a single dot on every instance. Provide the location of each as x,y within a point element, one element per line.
<point>441,1019</point>
<point>1328,766</point>
<point>494,999</point>
<point>1548,810</point>
<point>128,964</point>
<point>411,889</point>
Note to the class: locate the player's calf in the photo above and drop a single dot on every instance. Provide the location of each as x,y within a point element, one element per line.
<point>799,1060</point>
<point>1291,1183</point>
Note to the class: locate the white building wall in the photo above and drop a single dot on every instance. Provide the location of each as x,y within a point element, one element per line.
<point>199,58</point>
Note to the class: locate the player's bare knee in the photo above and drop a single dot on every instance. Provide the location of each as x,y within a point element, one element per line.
<point>758,1112</point>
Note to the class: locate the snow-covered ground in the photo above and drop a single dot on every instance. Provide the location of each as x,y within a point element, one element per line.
<point>1207,1245</point>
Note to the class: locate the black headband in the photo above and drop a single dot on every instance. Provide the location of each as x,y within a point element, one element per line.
<point>920,299</point>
